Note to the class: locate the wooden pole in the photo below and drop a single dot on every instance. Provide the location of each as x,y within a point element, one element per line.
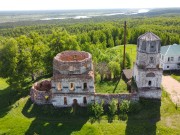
<point>124,58</point>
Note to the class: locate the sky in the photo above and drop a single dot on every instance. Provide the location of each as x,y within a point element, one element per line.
<point>84,4</point>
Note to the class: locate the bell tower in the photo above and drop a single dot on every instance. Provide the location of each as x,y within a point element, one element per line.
<point>147,72</point>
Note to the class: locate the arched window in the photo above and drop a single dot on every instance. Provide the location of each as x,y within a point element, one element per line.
<point>149,83</point>
<point>85,86</point>
<point>75,57</point>
<point>152,46</point>
<point>71,86</point>
<point>65,100</point>
<point>150,75</point>
<point>143,46</point>
<point>151,60</point>
<point>59,87</point>
<point>84,100</point>
<point>71,68</point>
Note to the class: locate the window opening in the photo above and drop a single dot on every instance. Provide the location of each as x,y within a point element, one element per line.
<point>71,86</point>
<point>85,86</point>
<point>65,101</point>
<point>59,87</point>
<point>84,100</point>
<point>149,83</point>
<point>151,60</point>
<point>168,58</point>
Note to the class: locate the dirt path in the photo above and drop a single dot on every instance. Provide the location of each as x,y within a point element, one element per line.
<point>173,88</point>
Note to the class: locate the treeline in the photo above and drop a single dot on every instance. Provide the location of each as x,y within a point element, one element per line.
<point>166,27</point>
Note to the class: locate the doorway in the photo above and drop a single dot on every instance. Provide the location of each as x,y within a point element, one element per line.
<point>84,100</point>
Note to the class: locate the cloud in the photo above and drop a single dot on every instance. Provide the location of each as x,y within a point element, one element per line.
<point>83,4</point>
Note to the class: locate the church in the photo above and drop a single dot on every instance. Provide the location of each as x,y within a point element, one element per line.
<point>73,77</point>
<point>147,72</point>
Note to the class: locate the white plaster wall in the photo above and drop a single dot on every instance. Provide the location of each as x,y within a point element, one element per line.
<point>136,74</point>
<point>58,100</point>
<point>77,83</point>
<point>143,59</point>
<point>155,81</point>
<point>154,94</point>
<point>172,64</point>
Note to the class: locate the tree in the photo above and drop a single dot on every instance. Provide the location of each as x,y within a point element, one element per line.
<point>96,109</point>
<point>128,61</point>
<point>38,53</point>
<point>9,61</point>
<point>124,107</point>
<point>114,68</point>
<point>112,108</point>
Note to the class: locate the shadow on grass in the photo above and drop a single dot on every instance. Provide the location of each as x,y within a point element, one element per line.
<point>144,123</point>
<point>8,97</point>
<point>117,82</point>
<point>51,121</point>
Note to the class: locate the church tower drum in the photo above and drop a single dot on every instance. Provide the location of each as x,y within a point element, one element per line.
<point>147,72</point>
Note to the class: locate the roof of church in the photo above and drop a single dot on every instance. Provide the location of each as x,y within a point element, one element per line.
<point>149,36</point>
<point>128,73</point>
<point>170,49</point>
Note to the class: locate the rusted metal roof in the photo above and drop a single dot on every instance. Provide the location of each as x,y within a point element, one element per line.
<point>72,56</point>
<point>128,73</point>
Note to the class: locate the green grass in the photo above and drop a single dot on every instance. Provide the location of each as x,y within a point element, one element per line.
<point>176,75</point>
<point>111,87</point>
<point>130,49</point>
<point>3,84</point>
<point>23,117</point>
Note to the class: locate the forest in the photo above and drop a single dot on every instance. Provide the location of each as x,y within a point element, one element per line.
<point>27,51</point>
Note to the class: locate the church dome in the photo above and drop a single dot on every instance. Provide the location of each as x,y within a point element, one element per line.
<point>149,36</point>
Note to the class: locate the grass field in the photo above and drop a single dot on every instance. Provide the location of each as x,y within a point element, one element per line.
<point>130,49</point>
<point>23,117</point>
<point>176,75</point>
<point>111,87</point>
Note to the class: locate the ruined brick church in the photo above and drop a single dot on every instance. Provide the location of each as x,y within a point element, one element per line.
<point>73,77</point>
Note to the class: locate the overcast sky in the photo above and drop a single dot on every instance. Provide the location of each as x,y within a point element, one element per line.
<point>84,4</point>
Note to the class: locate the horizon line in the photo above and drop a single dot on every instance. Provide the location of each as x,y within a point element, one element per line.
<point>89,9</point>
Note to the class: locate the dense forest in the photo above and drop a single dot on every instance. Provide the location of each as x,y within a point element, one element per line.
<point>27,51</point>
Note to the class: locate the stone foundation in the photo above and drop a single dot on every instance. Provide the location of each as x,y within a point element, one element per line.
<point>148,93</point>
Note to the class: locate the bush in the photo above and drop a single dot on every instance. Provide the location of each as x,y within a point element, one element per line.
<point>97,78</point>
<point>112,108</point>
<point>124,107</point>
<point>96,110</point>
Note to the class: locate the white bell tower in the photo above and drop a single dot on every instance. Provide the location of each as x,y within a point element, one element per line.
<point>147,72</point>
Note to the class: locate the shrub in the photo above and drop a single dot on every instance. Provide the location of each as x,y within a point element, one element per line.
<point>124,107</point>
<point>95,109</point>
<point>97,78</point>
<point>112,108</point>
